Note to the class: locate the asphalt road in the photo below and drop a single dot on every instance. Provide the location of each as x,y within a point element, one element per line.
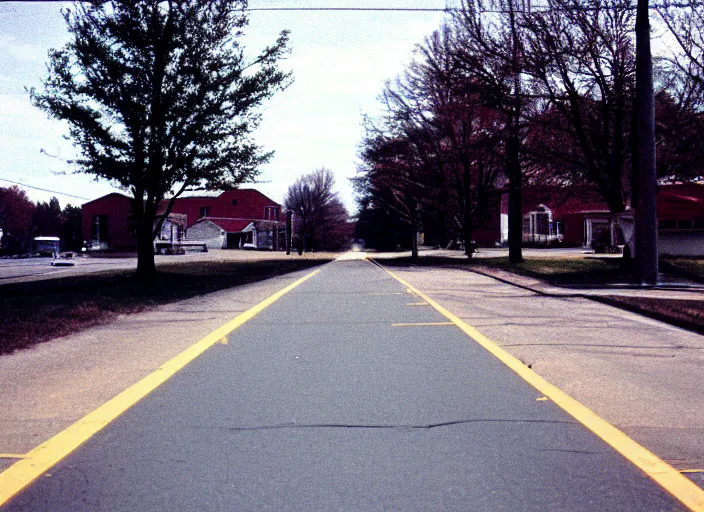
<point>324,402</point>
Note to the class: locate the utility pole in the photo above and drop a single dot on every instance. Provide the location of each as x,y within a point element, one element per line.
<point>289,229</point>
<point>646,224</point>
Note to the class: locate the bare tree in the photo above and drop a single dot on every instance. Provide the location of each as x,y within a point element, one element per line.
<point>685,22</point>
<point>312,200</point>
<point>582,61</point>
<point>491,47</point>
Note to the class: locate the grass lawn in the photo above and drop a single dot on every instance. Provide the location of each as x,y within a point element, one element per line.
<point>563,270</point>
<point>688,267</point>
<point>38,311</point>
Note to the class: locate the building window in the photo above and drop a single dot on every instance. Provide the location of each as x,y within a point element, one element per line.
<point>271,213</point>
<point>204,211</point>
<point>234,202</point>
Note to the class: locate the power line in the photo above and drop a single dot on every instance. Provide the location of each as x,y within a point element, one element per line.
<point>401,9</point>
<point>536,10</point>
<point>42,189</point>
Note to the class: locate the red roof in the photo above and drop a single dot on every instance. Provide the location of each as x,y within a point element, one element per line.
<point>560,200</point>
<point>681,201</point>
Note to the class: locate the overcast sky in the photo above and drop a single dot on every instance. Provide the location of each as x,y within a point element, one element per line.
<point>340,61</point>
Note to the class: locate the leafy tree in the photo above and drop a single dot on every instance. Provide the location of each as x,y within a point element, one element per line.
<point>441,112</point>
<point>317,209</point>
<point>160,99</point>
<point>335,231</point>
<point>15,219</point>
<point>395,176</point>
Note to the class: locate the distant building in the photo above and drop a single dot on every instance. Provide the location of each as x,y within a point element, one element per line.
<point>242,218</point>
<point>108,223</point>
<point>235,219</point>
<point>580,217</point>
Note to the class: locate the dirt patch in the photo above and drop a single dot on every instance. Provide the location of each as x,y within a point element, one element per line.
<point>39,311</point>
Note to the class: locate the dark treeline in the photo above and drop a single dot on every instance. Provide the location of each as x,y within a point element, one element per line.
<point>506,94</point>
<point>21,220</point>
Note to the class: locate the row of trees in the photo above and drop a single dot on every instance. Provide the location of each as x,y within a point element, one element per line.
<point>21,220</point>
<point>507,93</point>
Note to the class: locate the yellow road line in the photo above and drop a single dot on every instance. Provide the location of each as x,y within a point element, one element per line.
<point>668,477</point>
<point>421,323</point>
<point>44,456</point>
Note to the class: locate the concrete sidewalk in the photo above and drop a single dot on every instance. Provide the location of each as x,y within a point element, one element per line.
<point>643,376</point>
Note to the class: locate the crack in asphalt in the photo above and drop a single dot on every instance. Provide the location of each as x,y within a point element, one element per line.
<point>380,427</point>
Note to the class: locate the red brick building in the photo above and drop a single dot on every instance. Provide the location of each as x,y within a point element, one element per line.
<point>108,223</point>
<point>232,204</point>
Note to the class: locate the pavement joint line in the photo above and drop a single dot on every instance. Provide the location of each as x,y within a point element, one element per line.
<point>417,304</point>
<point>40,459</point>
<point>419,324</point>
<point>12,456</point>
<point>674,482</point>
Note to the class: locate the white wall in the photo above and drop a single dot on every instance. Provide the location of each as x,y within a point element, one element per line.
<point>209,233</point>
<point>681,243</point>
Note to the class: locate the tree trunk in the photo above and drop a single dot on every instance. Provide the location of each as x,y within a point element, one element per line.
<point>146,268</point>
<point>414,230</point>
<point>468,215</point>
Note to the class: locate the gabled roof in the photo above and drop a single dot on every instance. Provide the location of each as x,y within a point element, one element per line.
<point>108,195</point>
<point>227,225</point>
<point>235,192</point>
